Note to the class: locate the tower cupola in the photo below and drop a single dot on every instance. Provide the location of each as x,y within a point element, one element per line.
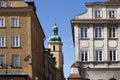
<point>55,37</point>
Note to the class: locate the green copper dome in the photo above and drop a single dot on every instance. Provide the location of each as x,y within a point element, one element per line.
<point>55,36</point>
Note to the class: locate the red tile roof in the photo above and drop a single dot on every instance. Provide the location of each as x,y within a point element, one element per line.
<point>77,64</point>
<point>74,76</point>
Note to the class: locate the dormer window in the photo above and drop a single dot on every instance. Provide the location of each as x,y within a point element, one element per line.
<point>1,4</point>
<point>9,4</point>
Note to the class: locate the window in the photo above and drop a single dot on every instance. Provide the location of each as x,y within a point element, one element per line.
<point>112,79</point>
<point>15,60</point>
<point>98,55</point>
<point>1,4</point>
<point>84,32</point>
<point>2,59</point>
<point>15,22</point>
<point>98,32</point>
<point>9,3</point>
<point>97,14</point>
<point>112,54</point>
<point>112,32</point>
<point>15,41</point>
<point>2,22</point>
<point>53,47</point>
<point>111,14</point>
<point>2,41</point>
<point>84,55</point>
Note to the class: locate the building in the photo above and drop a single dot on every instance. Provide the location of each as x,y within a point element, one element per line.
<point>97,42</point>
<point>55,44</point>
<point>21,41</point>
<point>50,68</point>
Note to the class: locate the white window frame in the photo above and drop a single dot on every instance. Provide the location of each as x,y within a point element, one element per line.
<point>15,41</point>
<point>2,22</point>
<point>97,13</point>
<point>84,32</point>
<point>84,55</point>
<point>112,55</point>
<point>98,32</point>
<point>2,41</point>
<point>113,32</point>
<point>9,4</point>
<point>1,4</point>
<point>99,55</point>
<point>15,21</point>
<point>110,13</point>
<point>18,61</point>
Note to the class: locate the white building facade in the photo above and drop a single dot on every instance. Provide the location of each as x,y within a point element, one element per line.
<point>96,36</point>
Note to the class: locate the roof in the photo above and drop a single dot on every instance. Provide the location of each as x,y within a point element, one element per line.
<point>113,1</point>
<point>77,64</point>
<point>75,76</point>
<point>12,72</point>
<point>107,2</point>
<point>29,0</point>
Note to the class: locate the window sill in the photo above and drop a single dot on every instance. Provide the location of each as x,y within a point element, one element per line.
<point>2,27</point>
<point>98,38</point>
<point>113,38</point>
<point>3,47</point>
<point>84,39</point>
<point>98,17</point>
<point>15,47</point>
<point>112,17</point>
<point>16,67</point>
<point>15,26</point>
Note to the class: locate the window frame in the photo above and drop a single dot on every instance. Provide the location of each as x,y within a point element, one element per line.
<point>98,32</point>
<point>98,55</point>
<point>112,33</point>
<point>14,42</point>
<point>15,22</point>
<point>9,4</point>
<point>16,61</point>
<point>84,32</point>
<point>2,41</point>
<point>111,13</point>
<point>84,55</point>
<point>2,22</point>
<point>112,56</point>
<point>97,13</point>
<point>1,4</point>
<point>3,62</point>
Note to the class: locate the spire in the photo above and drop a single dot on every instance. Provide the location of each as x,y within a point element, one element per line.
<point>55,29</point>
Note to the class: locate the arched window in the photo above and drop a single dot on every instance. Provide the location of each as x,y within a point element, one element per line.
<point>112,79</point>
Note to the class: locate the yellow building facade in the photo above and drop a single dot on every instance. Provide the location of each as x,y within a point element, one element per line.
<point>21,42</point>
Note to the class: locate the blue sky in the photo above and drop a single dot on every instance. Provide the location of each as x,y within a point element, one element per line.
<point>63,11</point>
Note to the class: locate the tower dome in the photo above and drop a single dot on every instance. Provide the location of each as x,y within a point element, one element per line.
<point>55,37</point>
